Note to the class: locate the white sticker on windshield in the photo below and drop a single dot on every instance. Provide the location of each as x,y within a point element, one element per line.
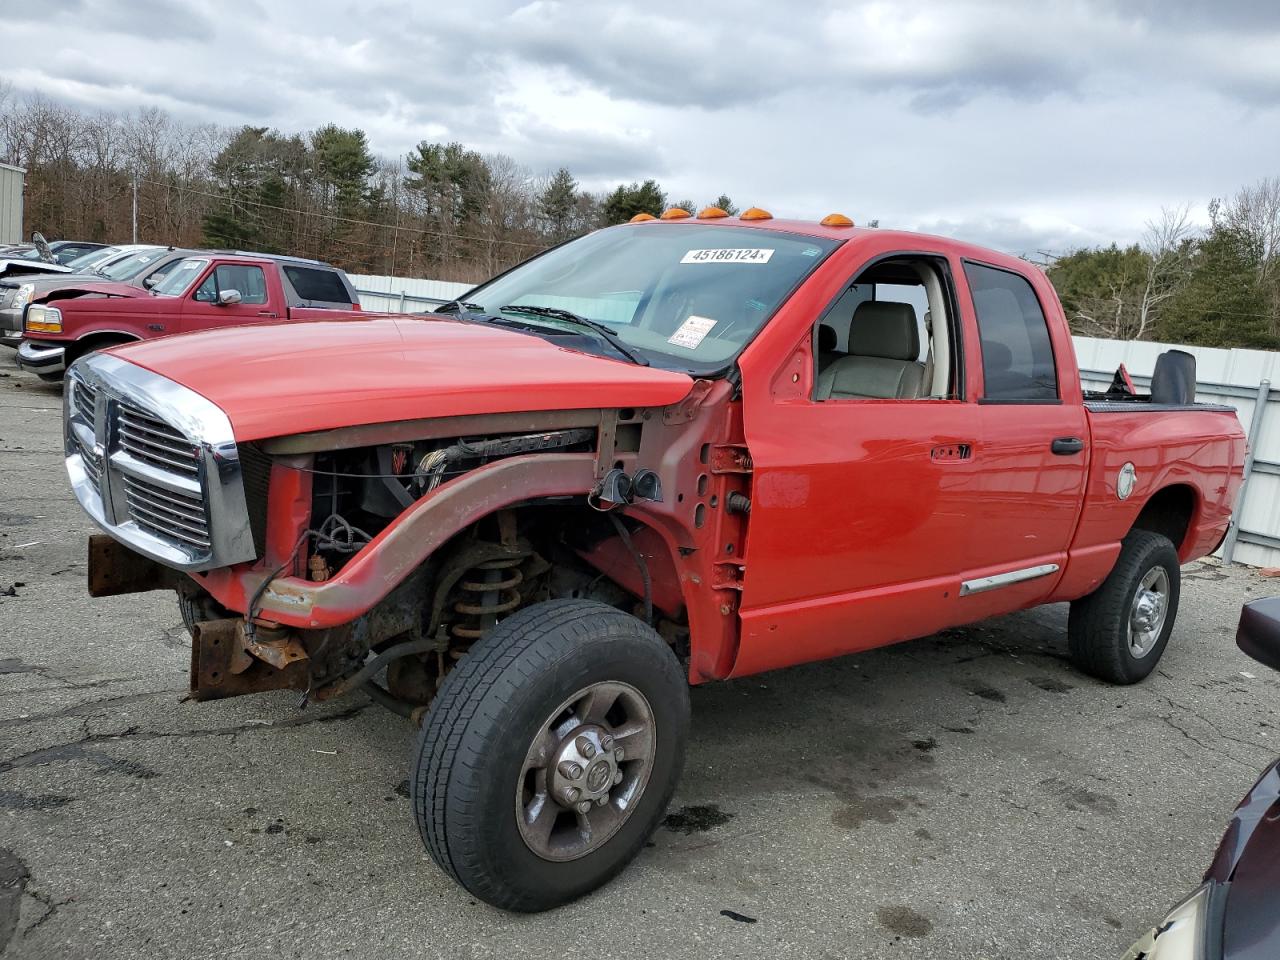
<point>692,332</point>
<point>728,255</point>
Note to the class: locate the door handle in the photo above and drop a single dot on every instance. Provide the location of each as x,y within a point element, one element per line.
<point>266,313</point>
<point>1066,446</point>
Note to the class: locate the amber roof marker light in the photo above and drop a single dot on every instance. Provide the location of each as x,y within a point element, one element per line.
<point>642,217</point>
<point>755,213</point>
<point>836,220</point>
<point>676,213</point>
<point>712,213</point>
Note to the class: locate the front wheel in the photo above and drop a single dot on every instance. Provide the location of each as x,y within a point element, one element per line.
<point>550,754</point>
<point>1119,632</point>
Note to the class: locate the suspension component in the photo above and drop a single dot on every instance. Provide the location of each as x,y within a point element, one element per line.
<point>489,589</point>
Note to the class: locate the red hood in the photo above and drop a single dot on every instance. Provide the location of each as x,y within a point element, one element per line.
<point>285,378</point>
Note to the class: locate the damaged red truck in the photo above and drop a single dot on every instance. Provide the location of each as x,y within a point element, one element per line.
<point>669,452</point>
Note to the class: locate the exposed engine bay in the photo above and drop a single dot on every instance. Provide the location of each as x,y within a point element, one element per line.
<point>539,550</point>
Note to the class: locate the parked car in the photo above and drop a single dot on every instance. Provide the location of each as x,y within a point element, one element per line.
<point>669,452</point>
<point>1232,914</point>
<point>138,266</point>
<point>198,293</point>
<point>41,257</point>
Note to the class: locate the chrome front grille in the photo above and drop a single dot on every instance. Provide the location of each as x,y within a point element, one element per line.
<point>85,400</point>
<point>151,440</point>
<point>92,463</point>
<point>167,513</point>
<point>156,465</point>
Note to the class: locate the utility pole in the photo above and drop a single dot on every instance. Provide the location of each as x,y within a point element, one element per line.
<point>135,208</point>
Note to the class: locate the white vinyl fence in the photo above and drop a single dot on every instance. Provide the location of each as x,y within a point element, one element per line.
<point>1248,380</point>
<point>1239,378</point>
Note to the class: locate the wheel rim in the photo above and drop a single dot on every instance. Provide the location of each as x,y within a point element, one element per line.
<point>585,771</point>
<point>1148,612</point>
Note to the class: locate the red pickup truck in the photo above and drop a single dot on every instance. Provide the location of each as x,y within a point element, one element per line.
<point>200,293</point>
<point>676,451</point>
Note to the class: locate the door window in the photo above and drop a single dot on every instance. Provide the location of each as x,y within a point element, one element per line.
<point>888,336</point>
<point>1017,355</point>
<point>249,281</point>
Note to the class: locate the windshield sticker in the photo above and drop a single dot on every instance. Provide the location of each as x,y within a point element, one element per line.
<point>692,332</point>
<point>810,252</point>
<point>728,255</point>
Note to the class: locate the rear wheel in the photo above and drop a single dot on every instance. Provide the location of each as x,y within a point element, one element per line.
<point>1119,632</point>
<point>550,754</point>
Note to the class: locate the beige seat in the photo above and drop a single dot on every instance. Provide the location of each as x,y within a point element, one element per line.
<point>883,360</point>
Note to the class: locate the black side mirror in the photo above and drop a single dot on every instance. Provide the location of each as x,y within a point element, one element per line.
<point>1259,631</point>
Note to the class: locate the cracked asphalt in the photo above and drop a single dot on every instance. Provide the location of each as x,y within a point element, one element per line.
<point>964,796</point>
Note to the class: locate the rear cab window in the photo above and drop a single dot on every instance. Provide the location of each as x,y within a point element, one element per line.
<point>1017,354</point>
<point>313,285</point>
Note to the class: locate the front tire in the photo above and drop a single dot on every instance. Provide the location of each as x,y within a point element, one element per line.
<point>550,754</point>
<point>1119,632</point>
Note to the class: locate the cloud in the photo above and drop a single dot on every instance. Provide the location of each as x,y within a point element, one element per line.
<point>1028,126</point>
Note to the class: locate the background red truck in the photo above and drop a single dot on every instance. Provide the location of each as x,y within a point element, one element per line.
<point>201,293</point>
<point>669,452</point>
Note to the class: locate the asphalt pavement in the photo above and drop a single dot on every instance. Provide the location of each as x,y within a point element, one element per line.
<point>968,795</point>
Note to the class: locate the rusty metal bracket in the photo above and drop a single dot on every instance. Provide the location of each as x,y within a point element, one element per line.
<point>114,569</point>
<point>222,667</point>
<point>277,647</point>
<point>730,458</point>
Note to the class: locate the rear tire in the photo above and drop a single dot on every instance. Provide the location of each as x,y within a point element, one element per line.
<point>1119,632</point>
<point>540,707</point>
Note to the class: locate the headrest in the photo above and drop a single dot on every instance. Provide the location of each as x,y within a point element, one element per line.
<point>885,329</point>
<point>1174,378</point>
<point>827,341</point>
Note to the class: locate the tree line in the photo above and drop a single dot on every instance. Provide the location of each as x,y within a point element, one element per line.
<point>448,212</point>
<point>1218,286</point>
<point>443,211</point>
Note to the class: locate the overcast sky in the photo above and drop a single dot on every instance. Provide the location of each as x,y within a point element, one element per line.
<point>1026,125</point>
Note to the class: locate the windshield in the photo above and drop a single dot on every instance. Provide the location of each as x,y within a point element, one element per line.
<point>87,261</point>
<point>179,278</point>
<point>130,266</point>
<point>685,296</point>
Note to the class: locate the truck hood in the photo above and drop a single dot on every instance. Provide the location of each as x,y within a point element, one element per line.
<point>287,378</point>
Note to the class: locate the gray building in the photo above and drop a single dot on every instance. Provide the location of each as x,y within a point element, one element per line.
<point>11,183</point>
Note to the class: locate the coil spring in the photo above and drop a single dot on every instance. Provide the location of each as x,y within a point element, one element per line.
<point>489,589</point>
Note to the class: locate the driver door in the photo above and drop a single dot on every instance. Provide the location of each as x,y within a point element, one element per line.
<point>204,308</point>
<point>861,505</point>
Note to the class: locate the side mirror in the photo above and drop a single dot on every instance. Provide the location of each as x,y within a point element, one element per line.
<point>228,297</point>
<point>151,281</point>
<point>1259,631</point>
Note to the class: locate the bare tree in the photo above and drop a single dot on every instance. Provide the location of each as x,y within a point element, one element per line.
<point>1168,243</point>
<point>1255,213</point>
